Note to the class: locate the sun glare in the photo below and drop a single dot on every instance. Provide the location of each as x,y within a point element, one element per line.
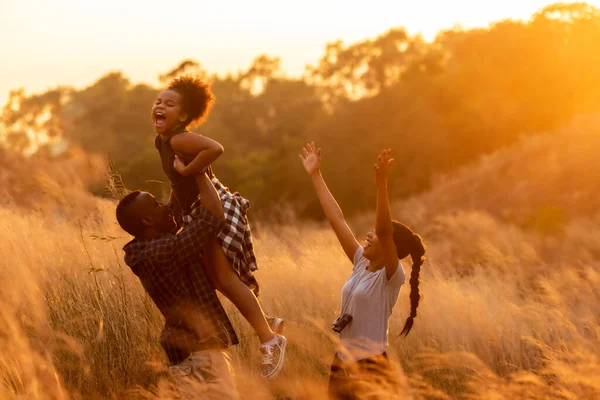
<point>76,41</point>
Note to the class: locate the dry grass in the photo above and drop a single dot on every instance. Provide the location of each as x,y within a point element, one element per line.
<point>508,312</point>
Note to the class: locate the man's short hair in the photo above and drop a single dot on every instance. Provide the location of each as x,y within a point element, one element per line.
<point>127,216</point>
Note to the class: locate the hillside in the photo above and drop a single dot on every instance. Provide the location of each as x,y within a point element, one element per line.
<point>46,184</point>
<point>541,182</point>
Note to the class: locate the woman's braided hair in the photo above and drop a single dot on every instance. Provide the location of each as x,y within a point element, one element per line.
<point>409,243</point>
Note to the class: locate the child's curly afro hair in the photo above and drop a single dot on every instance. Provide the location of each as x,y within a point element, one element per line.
<point>197,97</point>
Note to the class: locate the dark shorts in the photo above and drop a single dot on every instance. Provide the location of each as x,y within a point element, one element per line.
<point>369,378</point>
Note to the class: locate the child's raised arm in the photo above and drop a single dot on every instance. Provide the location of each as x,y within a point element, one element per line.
<point>204,150</point>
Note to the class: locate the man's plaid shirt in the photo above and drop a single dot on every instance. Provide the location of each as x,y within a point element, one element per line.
<point>171,270</point>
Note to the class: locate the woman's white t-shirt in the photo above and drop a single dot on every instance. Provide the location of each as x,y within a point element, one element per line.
<point>369,298</point>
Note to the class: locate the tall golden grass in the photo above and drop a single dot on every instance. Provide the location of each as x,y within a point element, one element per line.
<point>511,307</point>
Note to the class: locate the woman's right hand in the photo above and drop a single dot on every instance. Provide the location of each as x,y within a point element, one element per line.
<point>311,158</point>
<point>382,167</point>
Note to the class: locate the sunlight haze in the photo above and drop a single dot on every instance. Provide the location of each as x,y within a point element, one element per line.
<point>68,42</point>
<point>482,237</point>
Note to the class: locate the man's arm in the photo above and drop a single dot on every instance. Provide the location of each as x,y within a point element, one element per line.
<point>210,197</point>
<point>208,220</point>
<point>175,208</point>
<point>188,243</point>
<point>171,252</point>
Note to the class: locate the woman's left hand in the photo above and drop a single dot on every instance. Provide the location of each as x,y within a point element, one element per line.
<point>381,168</point>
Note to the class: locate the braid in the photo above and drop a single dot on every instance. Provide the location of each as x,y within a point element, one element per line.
<point>415,294</point>
<point>407,242</point>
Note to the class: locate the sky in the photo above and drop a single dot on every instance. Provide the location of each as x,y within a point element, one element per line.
<point>46,43</point>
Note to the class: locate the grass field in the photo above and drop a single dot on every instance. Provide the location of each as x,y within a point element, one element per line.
<point>511,304</point>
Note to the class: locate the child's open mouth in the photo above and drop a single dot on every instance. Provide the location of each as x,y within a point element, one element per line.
<point>159,119</point>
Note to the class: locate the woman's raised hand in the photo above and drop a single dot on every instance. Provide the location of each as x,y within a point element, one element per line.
<point>381,168</point>
<point>311,158</point>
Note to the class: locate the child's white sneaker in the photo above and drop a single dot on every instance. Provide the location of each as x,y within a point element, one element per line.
<point>273,356</point>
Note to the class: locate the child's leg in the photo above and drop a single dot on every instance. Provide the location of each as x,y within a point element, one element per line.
<point>226,281</point>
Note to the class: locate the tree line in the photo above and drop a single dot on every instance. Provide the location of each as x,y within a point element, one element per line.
<point>438,105</point>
